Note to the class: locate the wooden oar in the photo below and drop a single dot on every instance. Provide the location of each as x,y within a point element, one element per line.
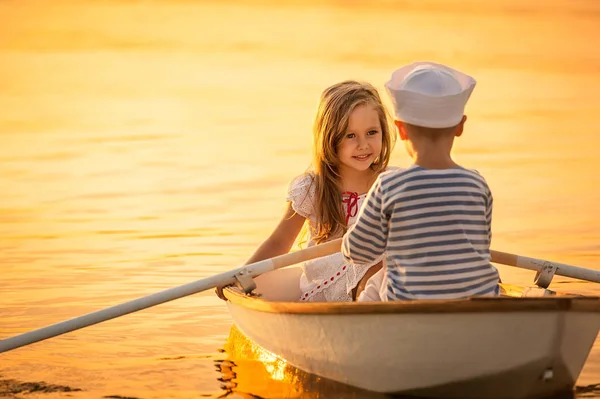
<point>219,280</point>
<point>540,265</point>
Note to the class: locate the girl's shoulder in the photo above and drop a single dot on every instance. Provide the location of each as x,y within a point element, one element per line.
<point>306,179</point>
<point>301,193</point>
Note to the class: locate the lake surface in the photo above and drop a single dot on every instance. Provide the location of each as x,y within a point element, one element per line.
<point>147,144</point>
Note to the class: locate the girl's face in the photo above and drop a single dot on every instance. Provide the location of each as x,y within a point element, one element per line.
<point>361,143</point>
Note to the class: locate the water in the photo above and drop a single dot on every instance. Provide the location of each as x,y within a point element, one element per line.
<point>147,144</point>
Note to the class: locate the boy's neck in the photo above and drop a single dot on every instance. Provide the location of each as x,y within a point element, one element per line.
<point>434,162</point>
<point>433,154</point>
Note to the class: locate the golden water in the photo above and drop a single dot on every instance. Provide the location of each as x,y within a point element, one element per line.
<point>147,144</point>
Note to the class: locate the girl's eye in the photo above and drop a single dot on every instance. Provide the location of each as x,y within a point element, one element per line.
<point>351,135</point>
<point>373,132</point>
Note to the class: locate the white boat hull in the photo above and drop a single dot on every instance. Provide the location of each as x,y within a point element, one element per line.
<point>493,348</point>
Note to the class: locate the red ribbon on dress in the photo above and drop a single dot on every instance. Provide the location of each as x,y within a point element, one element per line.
<point>351,201</point>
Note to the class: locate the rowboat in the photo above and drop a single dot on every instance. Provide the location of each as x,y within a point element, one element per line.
<point>529,342</point>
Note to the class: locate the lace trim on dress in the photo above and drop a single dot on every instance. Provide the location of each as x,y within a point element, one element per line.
<point>333,274</point>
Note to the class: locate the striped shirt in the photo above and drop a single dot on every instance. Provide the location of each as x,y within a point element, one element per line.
<point>434,227</point>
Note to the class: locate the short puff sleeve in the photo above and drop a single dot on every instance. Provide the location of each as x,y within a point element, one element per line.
<point>302,194</point>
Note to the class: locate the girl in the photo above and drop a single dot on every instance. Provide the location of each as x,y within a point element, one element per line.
<point>352,145</point>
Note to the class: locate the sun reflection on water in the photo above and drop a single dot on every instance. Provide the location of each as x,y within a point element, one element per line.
<point>250,368</point>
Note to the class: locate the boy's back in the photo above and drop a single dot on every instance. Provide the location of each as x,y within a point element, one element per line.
<point>433,220</point>
<point>438,237</point>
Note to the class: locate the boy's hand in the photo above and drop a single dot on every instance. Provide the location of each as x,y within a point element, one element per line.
<point>362,284</point>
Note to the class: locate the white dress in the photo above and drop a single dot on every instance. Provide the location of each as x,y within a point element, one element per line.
<point>327,279</point>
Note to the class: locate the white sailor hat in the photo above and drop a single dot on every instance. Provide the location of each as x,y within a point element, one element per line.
<point>430,95</point>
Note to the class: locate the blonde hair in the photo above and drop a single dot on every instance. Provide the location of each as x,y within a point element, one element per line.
<point>335,106</point>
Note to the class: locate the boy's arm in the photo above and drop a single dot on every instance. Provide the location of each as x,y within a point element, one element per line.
<point>488,219</point>
<point>488,215</point>
<point>365,241</point>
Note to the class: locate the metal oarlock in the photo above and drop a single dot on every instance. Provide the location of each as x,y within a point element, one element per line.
<point>245,282</point>
<point>543,277</point>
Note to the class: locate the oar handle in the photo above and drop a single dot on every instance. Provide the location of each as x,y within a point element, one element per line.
<point>504,258</point>
<point>313,252</point>
<point>537,265</point>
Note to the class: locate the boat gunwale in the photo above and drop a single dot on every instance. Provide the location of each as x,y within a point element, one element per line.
<point>468,305</point>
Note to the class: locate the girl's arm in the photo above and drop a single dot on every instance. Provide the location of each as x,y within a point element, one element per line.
<point>279,242</point>
<point>282,238</point>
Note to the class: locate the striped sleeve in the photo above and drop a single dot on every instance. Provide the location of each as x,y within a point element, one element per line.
<point>488,215</point>
<point>365,241</point>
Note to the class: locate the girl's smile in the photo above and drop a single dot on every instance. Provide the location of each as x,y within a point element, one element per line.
<point>365,157</point>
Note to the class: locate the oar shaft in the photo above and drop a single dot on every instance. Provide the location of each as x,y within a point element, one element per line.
<point>123,309</point>
<point>562,269</point>
<point>222,279</point>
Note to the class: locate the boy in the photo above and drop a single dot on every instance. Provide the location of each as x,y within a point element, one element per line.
<point>432,220</point>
